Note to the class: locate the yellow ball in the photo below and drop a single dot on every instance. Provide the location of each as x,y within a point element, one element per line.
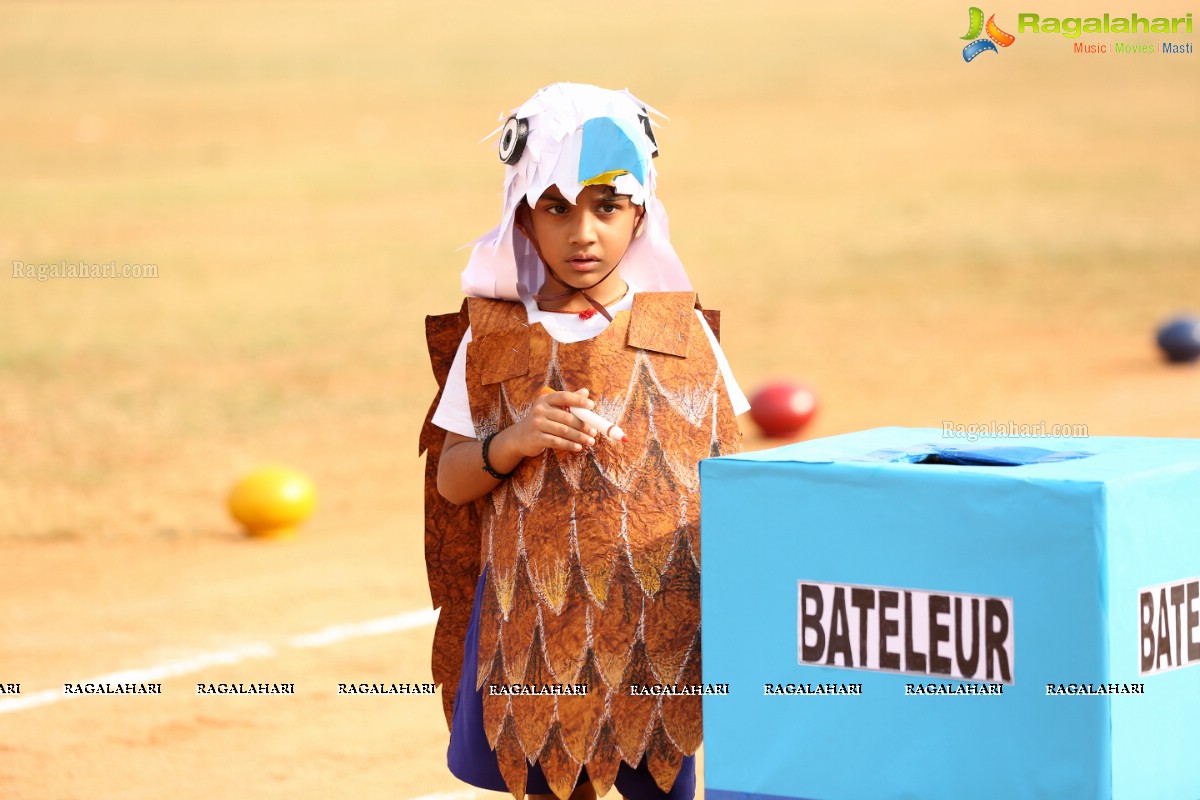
<point>272,501</point>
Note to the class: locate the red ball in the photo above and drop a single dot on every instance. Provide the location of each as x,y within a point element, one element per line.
<point>782,408</point>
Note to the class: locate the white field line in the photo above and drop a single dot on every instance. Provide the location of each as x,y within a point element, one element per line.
<point>372,627</point>
<point>234,655</point>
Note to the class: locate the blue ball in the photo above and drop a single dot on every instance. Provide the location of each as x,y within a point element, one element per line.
<point>1179,339</point>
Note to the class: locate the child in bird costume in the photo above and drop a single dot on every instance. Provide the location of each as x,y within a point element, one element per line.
<point>567,564</point>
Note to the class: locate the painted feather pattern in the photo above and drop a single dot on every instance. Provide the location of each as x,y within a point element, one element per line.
<point>593,558</point>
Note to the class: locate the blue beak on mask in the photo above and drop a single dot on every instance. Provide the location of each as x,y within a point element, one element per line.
<point>610,148</point>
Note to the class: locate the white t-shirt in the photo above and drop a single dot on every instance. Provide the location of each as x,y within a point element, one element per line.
<point>454,411</point>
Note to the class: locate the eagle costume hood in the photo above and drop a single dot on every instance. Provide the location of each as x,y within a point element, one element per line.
<point>574,135</point>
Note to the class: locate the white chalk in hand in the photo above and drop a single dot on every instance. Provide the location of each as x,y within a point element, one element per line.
<point>610,430</point>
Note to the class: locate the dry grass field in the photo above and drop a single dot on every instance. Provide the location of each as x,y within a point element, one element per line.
<point>919,238</point>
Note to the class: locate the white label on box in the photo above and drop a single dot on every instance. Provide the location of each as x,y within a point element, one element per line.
<point>1169,626</point>
<point>913,631</point>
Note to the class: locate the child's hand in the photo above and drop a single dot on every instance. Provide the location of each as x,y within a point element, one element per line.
<point>550,424</point>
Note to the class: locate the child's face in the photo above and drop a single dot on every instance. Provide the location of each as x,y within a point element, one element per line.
<point>584,240</point>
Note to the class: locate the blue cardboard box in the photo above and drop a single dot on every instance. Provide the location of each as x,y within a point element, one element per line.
<point>902,615</point>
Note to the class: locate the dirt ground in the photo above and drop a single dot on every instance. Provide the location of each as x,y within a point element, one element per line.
<point>920,239</point>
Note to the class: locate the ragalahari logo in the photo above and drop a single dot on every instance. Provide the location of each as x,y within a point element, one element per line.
<point>995,36</point>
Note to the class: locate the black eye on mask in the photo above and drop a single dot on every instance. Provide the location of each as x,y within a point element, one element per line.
<point>512,139</point>
<point>649,134</point>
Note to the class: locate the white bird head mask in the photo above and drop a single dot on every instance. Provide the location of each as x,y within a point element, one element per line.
<point>573,135</point>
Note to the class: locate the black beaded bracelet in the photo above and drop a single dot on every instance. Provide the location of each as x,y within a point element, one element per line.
<point>487,466</point>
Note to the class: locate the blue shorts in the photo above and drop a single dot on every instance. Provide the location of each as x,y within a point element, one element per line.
<point>473,761</point>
